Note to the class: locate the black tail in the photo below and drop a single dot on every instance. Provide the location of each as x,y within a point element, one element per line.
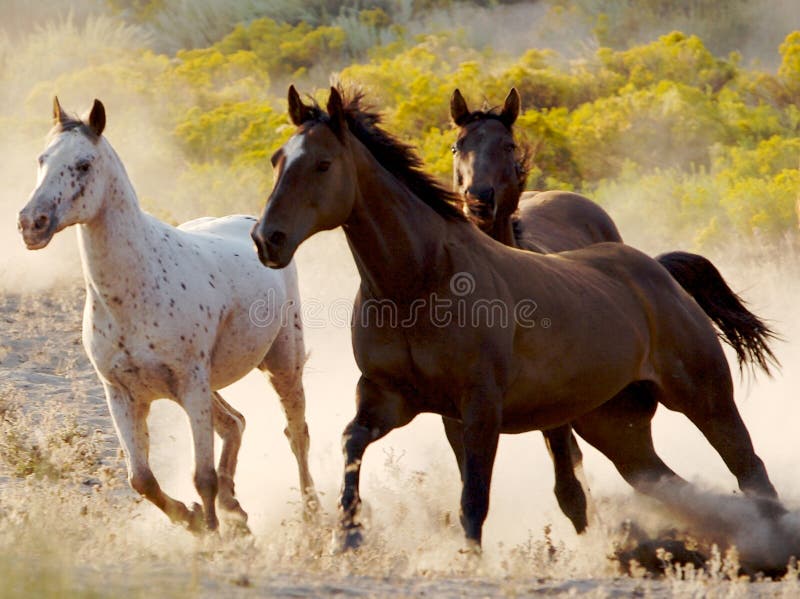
<point>740,328</point>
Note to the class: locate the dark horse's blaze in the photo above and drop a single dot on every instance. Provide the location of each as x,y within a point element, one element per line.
<point>624,335</point>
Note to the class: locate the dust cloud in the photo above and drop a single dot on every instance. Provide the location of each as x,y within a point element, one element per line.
<point>410,483</point>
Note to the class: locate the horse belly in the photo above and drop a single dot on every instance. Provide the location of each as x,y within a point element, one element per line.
<point>540,402</point>
<point>240,347</point>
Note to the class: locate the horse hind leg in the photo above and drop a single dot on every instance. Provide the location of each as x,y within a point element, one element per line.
<point>620,429</point>
<point>570,492</point>
<point>719,421</point>
<point>284,363</point>
<point>229,424</point>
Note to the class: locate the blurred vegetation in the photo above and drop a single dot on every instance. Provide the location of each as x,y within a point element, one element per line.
<point>675,127</point>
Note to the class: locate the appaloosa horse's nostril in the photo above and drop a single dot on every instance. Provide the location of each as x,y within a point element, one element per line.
<point>41,222</point>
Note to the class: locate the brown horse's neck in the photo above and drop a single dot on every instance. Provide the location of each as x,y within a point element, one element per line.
<point>396,239</point>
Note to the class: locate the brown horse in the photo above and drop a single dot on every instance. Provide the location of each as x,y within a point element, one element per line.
<point>597,337</point>
<point>489,173</point>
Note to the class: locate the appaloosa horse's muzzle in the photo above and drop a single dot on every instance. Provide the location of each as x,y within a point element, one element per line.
<point>36,226</point>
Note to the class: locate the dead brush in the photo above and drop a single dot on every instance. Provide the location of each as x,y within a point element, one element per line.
<point>47,442</point>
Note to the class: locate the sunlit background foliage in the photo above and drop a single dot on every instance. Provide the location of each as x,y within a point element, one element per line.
<point>671,113</point>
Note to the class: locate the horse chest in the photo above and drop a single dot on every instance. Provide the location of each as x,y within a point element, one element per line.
<point>140,359</point>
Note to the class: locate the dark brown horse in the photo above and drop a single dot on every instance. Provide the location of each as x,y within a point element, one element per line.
<point>489,173</point>
<point>597,337</point>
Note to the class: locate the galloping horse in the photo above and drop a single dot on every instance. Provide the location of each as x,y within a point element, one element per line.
<point>169,314</point>
<point>622,335</point>
<point>489,173</point>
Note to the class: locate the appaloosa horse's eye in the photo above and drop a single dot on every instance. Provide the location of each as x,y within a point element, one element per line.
<point>83,166</point>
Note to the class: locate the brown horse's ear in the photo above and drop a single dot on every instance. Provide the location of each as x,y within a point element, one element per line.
<point>458,108</point>
<point>97,118</point>
<point>510,110</point>
<point>299,113</point>
<point>335,110</point>
<point>59,116</point>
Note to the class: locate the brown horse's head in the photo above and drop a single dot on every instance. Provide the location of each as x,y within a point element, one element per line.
<point>488,171</point>
<point>70,183</point>
<point>314,175</point>
<point>318,173</point>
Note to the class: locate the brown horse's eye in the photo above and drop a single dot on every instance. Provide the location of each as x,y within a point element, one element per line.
<point>323,165</point>
<point>510,147</point>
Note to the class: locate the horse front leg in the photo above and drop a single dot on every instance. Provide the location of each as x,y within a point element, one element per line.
<point>481,415</point>
<point>379,411</point>
<point>455,436</point>
<point>130,421</point>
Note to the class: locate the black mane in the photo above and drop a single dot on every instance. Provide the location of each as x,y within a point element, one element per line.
<point>397,157</point>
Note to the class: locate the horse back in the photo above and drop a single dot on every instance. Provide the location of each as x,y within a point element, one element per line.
<point>561,220</point>
<point>682,335</point>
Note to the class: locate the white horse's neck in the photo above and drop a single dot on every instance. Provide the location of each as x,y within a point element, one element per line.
<point>116,245</point>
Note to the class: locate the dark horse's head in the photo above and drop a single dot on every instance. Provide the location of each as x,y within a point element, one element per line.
<point>489,171</point>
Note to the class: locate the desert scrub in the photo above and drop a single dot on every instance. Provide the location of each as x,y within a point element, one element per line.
<point>49,443</point>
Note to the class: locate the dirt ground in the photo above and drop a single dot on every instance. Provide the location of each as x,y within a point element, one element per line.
<point>75,529</point>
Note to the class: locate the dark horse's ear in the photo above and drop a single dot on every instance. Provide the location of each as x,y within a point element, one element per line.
<point>510,110</point>
<point>335,110</point>
<point>59,116</point>
<point>458,108</point>
<point>299,113</point>
<point>97,118</point>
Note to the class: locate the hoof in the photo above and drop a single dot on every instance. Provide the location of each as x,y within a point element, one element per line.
<point>473,548</point>
<point>347,539</point>
<point>238,528</point>
<point>196,521</point>
<point>772,509</point>
<point>311,511</point>
<point>231,511</point>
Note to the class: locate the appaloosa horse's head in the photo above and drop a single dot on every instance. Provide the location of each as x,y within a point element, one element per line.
<point>488,171</point>
<point>70,185</point>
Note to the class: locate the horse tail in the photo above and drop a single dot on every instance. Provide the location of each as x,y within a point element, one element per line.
<point>745,332</point>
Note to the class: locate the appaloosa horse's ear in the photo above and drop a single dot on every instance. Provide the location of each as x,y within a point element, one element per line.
<point>299,113</point>
<point>335,110</point>
<point>97,118</point>
<point>510,110</point>
<point>458,108</point>
<point>59,116</point>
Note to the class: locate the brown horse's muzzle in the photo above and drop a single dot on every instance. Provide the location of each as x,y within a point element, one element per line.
<point>37,227</point>
<point>271,246</point>
<point>481,204</point>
